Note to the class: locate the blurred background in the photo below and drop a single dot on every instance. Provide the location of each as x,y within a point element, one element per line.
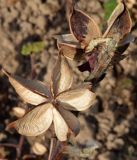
<point>111,123</point>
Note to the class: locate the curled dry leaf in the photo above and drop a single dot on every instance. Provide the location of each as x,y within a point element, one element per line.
<point>50,105</point>
<point>18,111</point>
<point>38,148</point>
<point>70,47</point>
<point>98,51</point>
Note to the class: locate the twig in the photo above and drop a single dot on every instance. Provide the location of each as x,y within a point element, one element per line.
<point>59,152</point>
<point>19,147</point>
<point>32,62</point>
<point>8,145</point>
<point>56,149</point>
<point>51,149</point>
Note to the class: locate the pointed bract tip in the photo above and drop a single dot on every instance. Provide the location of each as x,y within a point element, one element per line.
<point>10,126</point>
<point>5,72</point>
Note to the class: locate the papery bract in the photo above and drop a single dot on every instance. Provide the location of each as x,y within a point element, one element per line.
<point>52,104</point>
<point>86,42</point>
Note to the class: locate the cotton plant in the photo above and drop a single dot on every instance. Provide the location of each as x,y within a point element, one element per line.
<point>87,43</point>
<point>52,103</point>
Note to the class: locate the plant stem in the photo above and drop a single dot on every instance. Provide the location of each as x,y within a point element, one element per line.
<point>8,145</point>
<point>19,146</point>
<point>56,149</point>
<point>32,62</point>
<point>51,148</point>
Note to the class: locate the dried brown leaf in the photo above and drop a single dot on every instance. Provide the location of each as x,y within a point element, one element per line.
<point>38,148</point>
<point>18,111</point>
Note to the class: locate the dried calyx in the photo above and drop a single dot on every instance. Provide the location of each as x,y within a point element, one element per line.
<point>87,43</point>
<point>53,103</point>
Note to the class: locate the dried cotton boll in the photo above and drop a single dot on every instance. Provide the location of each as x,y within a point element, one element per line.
<point>18,111</point>
<point>47,111</point>
<point>38,148</point>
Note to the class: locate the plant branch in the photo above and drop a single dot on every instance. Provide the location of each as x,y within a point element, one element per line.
<point>51,148</point>
<point>56,149</point>
<point>19,146</point>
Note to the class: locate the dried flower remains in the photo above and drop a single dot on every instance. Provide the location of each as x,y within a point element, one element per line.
<point>86,42</point>
<point>53,103</point>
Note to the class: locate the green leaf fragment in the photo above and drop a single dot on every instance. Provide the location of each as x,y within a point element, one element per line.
<point>109,6</point>
<point>31,48</point>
